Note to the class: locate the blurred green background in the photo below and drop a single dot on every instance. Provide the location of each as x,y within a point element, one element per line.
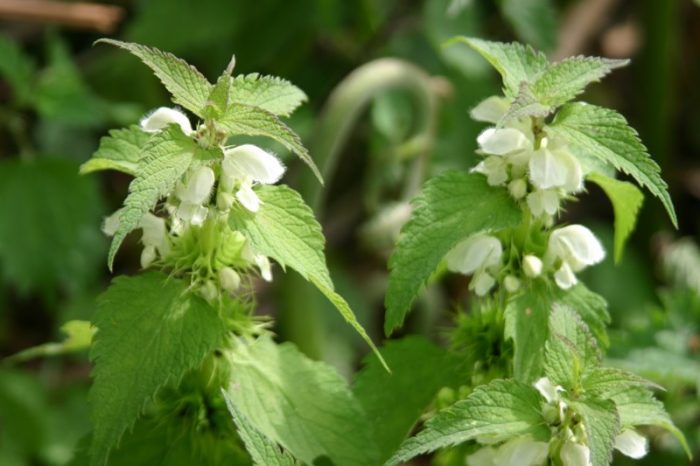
<point>59,94</point>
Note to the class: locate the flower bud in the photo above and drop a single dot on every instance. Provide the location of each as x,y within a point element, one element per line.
<point>511,283</point>
<point>532,266</point>
<point>208,291</point>
<point>517,188</point>
<point>229,279</point>
<point>148,255</point>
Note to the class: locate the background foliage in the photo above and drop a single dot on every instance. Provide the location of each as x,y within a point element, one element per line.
<point>58,95</point>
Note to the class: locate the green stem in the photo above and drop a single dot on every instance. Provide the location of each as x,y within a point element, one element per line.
<point>300,317</point>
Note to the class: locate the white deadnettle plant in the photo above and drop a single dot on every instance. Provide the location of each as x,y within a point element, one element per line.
<point>547,400</point>
<point>212,219</point>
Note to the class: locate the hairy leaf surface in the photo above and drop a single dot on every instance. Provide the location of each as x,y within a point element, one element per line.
<point>120,151</point>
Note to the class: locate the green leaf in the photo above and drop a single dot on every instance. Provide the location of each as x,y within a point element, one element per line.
<point>219,100</point>
<point>527,317</point>
<point>165,158</point>
<point>565,80</point>
<point>570,351</point>
<point>274,95</point>
<point>590,306</point>
<point>637,406</point>
<point>120,151</point>
<point>515,62</point>
<point>150,332</point>
<point>626,200</point>
<point>188,86</point>
<point>49,226</point>
<point>394,402</point>
<point>285,229</point>
<point>303,405</point>
<point>501,410</point>
<point>602,426</point>
<point>17,68</point>
<point>450,208</point>
<point>263,450</point>
<point>254,121</point>
<point>78,333</point>
<point>604,134</point>
<point>534,21</point>
<point>603,381</point>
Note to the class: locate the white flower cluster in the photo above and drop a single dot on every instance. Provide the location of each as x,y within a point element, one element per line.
<point>539,169</point>
<point>189,205</point>
<point>525,451</point>
<point>570,249</point>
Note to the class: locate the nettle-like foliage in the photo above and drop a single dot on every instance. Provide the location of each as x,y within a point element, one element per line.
<point>554,402</point>
<point>178,343</point>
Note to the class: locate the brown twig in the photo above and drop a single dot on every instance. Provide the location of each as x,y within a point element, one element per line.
<point>101,18</point>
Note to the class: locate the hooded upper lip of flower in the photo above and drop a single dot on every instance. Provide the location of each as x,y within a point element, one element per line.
<point>164,116</point>
<point>247,164</point>
<point>576,246</point>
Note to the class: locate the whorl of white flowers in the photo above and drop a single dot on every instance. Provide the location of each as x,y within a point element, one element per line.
<point>539,169</point>
<point>190,205</point>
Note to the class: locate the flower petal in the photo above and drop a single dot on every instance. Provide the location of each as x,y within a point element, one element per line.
<point>482,283</point>
<point>548,390</point>
<point>565,277</point>
<point>164,116</point>
<point>199,185</point>
<point>575,454</point>
<point>251,161</point>
<point>631,444</point>
<point>576,245</point>
<point>521,451</point>
<point>547,170</point>
<point>482,457</point>
<point>501,141</point>
<point>247,197</point>
<point>475,252</point>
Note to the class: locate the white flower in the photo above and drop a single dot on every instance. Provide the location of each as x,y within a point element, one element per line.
<point>245,165</point>
<point>261,261</point>
<point>482,457</point>
<point>543,202</point>
<point>548,390</point>
<point>229,279</point>
<point>195,193</point>
<point>208,291</point>
<point>565,277</point>
<point>148,255</point>
<point>532,266</point>
<point>576,246</point>
<point>555,168</point>
<point>502,141</point>
<point>495,168</point>
<point>164,116</point>
<point>475,255</point>
<point>631,444</point>
<point>521,451</point>
<point>575,454</point>
<point>110,224</point>
<point>155,233</point>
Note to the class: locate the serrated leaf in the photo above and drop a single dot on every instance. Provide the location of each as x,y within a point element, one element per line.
<point>525,105</point>
<point>303,405</point>
<point>165,158</point>
<point>527,317</point>
<point>188,86</point>
<point>263,450</point>
<point>218,100</point>
<point>604,134</point>
<point>49,226</point>
<point>285,229</point>
<point>637,406</point>
<point>571,350</point>
<point>515,62</point>
<point>501,410</point>
<point>150,332</point>
<point>565,80</point>
<point>602,381</point>
<point>534,21</point>
<point>394,402</point>
<point>590,306</point>
<point>120,151</point>
<point>451,207</point>
<point>626,200</point>
<point>274,95</point>
<point>602,426</point>
<point>254,121</point>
